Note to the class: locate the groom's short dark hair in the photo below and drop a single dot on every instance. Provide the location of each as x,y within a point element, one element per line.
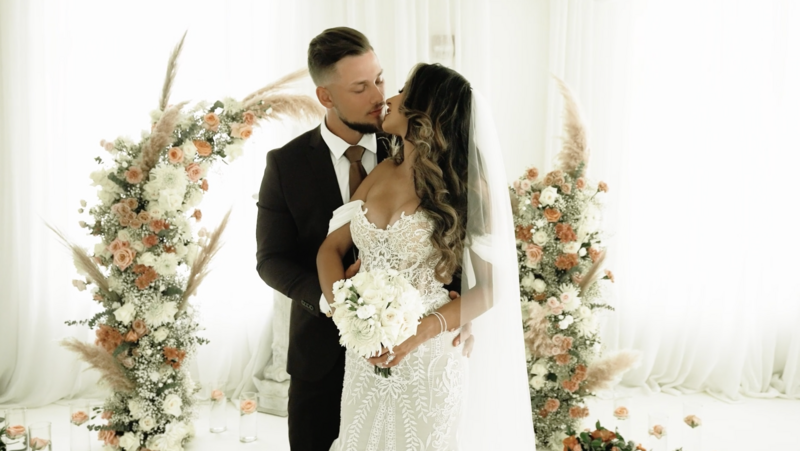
<point>332,45</point>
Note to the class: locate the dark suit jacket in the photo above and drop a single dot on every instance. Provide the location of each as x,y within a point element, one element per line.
<point>298,195</point>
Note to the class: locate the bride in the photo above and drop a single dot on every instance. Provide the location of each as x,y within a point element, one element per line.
<point>438,207</point>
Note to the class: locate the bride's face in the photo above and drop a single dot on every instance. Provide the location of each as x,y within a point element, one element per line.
<point>395,121</point>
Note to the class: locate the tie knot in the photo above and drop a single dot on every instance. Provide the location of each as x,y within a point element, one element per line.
<point>354,153</point>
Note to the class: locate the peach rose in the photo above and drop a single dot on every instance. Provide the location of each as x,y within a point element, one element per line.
<point>105,436</point>
<point>540,297</point>
<point>552,405</point>
<point>106,414</point>
<point>566,345</point>
<point>140,327</point>
<point>194,171</point>
<point>38,443</point>
<point>203,147</point>
<point>204,185</point>
<point>134,175</point>
<point>532,174</point>
<point>577,278</point>
<point>131,202</point>
<point>131,336</point>
<point>117,245</point>
<point>543,413</point>
<point>639,447</point>
<point>571,444</point>
<point>211,119</point>
<point>247,406</point>
<point>562,359</point>
<point>150,240</point>
<point>621,413</point>
<point>123,258</point>
<point>534,253</point>
<point>565,233</point>
<point>175,155</point>
<point>658,431</point>
<point>603,434</point>
<point>594,254</point>
<point>217,395</point>
<point>610,276</point>
<point>552,215</point>
<point>124,209</point>
<point>570,386</point>
<point>135,223</point>
<point>566,189</point>
<point>144,216</point>
<point>158,225</point>
<point>692,421</point>
<point>15,431</point>
<point>249,118</point>
<point>553,303</point>
<point>246,132</point>
<point>554,178</point>
<point>565,262</point>
<point>535,199</point>
<point>79,417</point>
<point>578,412</point>
<point>580,183</point>
<point>602,187</point>
<point>198,215</point>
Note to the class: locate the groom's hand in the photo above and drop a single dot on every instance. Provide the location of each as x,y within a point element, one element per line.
<point>465,335</point>
<point>352,270</point>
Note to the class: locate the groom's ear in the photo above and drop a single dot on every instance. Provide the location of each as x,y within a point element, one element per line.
<point>324,97</point>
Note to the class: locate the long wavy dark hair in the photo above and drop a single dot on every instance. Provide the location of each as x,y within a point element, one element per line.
<point>438,105</point>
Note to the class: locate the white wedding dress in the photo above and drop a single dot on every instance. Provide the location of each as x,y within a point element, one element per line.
<point>419,406</point>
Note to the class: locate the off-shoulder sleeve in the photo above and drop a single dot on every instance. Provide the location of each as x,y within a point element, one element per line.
<point>344,215</point>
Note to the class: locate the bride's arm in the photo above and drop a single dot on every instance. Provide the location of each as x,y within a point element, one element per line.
<point>336,245</point>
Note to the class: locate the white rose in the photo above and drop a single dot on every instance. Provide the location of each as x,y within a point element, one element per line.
<point>147,259</point>
<point>189,151</point>
<point>172,405</point>
<point>527,281</point>
<point>539,368</point>
<point>123,235</point>
<point>539,286</point>
<point>125,314</point>
<point>587,326</point>
<point>540,238</point>
<point>100,249</point>
<point>135,407</point>
<point>194,199</point>
<point>181,250</point>
<point>365,311</point>
<point>582,252</point>
<point>146,424</point>
<point>191,253</point>
<point>139,246</point>
<point>564,323</point>
<point>155,210</point>
<point>572,247</point>
<point>234,150</point>
<point>583,312</point>
<point>161,313</point>
<point>160,334</point>
<point>154,376</point>
<point>548,196</point>
<point>537,382</point>
<point>129,441</point>
<point>170,199</point>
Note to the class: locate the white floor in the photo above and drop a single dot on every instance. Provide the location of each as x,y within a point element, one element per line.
<point>754,424</point>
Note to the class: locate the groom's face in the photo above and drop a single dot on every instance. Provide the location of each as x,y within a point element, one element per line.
<point>356,92</point>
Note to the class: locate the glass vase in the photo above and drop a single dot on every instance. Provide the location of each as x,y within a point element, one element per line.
<point>657,431</point>
<point>79,416</point>
<point>217,420</point>
<point>16,436</point>
<point>692,426</point>
<point>248,415</point>
<point>39,437</point>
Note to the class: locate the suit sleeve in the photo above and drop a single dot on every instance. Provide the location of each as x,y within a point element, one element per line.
<point>276,235</point>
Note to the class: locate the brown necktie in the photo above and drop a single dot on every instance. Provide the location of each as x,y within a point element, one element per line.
<point>357,171</point>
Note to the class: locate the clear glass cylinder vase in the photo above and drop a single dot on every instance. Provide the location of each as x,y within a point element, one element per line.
<point>248,417</point>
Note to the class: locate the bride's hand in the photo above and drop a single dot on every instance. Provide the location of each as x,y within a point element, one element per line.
<point>427,329</point>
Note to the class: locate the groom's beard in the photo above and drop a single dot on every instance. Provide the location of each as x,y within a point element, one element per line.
<point>365,128</point>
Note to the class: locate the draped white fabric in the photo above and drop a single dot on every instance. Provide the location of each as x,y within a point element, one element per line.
<point>692,107</point>
<point>76,73</point>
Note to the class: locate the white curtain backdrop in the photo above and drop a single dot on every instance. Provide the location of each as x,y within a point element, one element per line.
<point>692,108</point>
<point>75,73</point>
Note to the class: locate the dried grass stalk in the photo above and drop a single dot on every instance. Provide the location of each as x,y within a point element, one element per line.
<point>536,337</point>
<point>83,262</point>
<point>276,86</point>
<point>278,106</point>
<point>172,69</point>
<point>200,269</point>
<point>603,372</point>
<point>98,358</point>
<point>160,138</point>
<point>574,156</point>
<point>591,275</point>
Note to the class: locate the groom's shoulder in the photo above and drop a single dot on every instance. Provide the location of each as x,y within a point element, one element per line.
<point>301,142</point>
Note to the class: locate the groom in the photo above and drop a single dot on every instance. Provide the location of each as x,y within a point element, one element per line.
<point>304,182</point>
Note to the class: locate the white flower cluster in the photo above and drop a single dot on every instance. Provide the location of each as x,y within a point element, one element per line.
<point>376,308</point>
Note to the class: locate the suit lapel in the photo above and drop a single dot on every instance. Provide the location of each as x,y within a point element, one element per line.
<point>319,160</point>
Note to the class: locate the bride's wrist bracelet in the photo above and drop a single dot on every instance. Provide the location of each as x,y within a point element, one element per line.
<point>442,322</point>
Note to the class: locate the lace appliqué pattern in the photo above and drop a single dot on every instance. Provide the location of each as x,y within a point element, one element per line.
<point>419,406</point>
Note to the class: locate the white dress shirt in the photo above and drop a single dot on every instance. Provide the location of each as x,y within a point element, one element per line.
<point>340,162</point>
<point>341,165</point>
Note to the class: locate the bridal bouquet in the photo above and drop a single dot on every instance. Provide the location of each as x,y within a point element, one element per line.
<point>376,309</point>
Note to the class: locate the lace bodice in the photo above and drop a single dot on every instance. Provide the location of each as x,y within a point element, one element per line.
<point>405,246</point>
